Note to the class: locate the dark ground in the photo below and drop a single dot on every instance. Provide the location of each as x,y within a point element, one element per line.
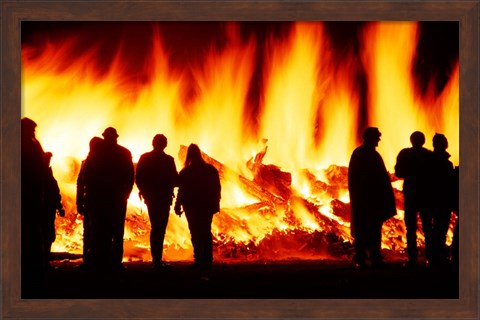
<point>258,280</point>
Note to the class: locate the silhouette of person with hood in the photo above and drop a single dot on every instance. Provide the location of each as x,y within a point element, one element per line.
<point>199,192</point>
<point>109,179</point>
<point>413,165</point>
<point>441,199</point>
<point>33,179</point>
<point>371,199</point>
<point>156,176</point>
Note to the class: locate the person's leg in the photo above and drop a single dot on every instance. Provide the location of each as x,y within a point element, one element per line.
<point>87,237</point>
<point>158,213</point>
<point>375,243</point>
<point>427,229</point>
<point>360,243</point>
<point>119,210</point>
<point>206,241</point>
<point>193,226</point>
<point>101,238</point>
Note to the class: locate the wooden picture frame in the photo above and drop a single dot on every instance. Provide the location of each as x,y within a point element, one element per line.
<point>14,12</point>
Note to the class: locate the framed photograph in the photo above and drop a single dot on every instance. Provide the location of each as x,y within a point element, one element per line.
<point>249,83</point>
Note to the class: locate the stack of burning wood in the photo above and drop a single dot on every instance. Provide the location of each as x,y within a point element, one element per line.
<point>272,187</point>
<point>328,234</point>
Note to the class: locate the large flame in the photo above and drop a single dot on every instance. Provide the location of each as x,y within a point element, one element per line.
<point>301,134</point>
<point>396,106</point>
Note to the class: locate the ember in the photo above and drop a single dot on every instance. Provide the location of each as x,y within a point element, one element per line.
<point>282,158</point>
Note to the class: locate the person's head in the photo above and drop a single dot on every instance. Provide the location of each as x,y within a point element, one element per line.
<point>28,127</point>
<point>95,144</point>
<point>371,136</point>
<point>159,142</point>
<point>440,142</point>
<point>194,155</point>
<point>417,139</point>
<point>110,135</point>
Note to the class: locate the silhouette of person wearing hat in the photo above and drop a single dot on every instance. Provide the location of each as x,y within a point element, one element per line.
<point>109,179</point>
<point>156,176</point>
<point>371,199</point>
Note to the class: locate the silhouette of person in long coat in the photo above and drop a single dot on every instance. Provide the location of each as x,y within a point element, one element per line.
<point>441,199</point>
<point>109,179</point>
<point>33,179</point>
<point>371,199</point>
<point>156,176</point>
<point>198,194</point>
<point>413,165</point>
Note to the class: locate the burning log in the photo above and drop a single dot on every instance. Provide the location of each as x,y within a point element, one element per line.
<point>341,209</point>
<point>337,180</point>
<point>251,187</point>
<point>326,223</point>
<point>275,180</point>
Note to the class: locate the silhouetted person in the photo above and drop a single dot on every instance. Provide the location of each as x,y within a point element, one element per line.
<point>441,199</point>
<point>199,196</point>
<point>82,200</point>
<point>109,178</point>
<point>52,204</point>
<point>371,199</point>
<point>413,165</point>
<point>156,177</point>
<point>33,175</point>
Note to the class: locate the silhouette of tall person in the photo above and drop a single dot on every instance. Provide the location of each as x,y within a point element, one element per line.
<point>109,179</point>
<point>156,176</point>
<point>198,194</point>
<point>371,199</point>
<point>442,201</point>
<point>33,177</point>
<point>413,165</point>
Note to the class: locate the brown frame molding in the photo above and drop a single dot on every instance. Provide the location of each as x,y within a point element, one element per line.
<point>15,11</point>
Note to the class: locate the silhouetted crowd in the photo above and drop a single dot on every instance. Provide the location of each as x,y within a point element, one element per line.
<point>430,192</point>
<point>108,174</point>
<point>104,184</point>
